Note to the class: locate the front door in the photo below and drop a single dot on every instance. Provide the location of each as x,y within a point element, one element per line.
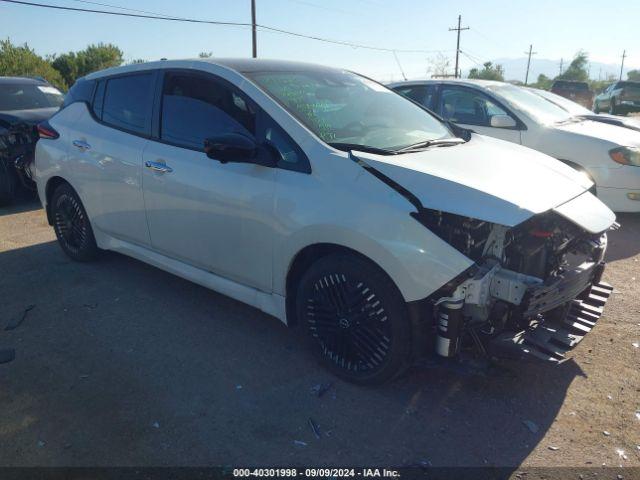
<point>472,109</point>
<point>212,215</point>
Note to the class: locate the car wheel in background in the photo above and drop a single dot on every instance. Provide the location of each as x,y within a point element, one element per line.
<point>612,107</point>
<point>72,226</point>
<point>596,107</point>
<point>8,184</point>
<point>355,317</point>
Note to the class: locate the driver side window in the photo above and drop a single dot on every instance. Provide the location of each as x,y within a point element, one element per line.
<point>467,106</point>
<point>195,108</point>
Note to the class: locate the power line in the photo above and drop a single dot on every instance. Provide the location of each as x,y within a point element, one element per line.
<point>216,22</point>
<point>458,29</point>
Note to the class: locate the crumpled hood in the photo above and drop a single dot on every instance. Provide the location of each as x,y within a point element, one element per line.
<point>31,117</point>
<point>485,178</point>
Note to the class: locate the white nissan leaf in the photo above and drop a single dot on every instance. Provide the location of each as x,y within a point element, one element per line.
<point>325,199</point>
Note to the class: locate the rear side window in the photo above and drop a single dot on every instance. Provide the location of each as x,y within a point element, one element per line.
<point>128,102</point>
<point>82,91</point>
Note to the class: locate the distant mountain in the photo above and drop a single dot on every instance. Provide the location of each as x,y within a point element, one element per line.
<point>516,68</point>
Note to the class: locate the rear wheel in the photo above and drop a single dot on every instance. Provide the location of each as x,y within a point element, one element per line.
<point>71,224</point>
<point>8,183</point>
<point>355,317</point>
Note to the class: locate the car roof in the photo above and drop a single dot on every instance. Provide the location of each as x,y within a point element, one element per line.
<point>240,65</point>
<point>22,81</point>
<point>452,81</point>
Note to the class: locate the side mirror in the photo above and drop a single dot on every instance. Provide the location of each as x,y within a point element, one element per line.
<point>231,147</point>
<point>502,121</point>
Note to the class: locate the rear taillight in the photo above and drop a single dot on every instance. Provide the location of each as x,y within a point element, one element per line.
<point>46,131</point>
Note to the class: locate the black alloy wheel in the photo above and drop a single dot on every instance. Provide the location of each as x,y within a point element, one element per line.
<point>356,319</point>
<point>71,224</point>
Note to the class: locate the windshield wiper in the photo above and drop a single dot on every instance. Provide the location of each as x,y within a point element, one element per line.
<point>363,148</point>
<point>432,143</point>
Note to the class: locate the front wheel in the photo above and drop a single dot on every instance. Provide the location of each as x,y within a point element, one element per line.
<point>596,108</point>
<point>355,317</point>
<point>71,224</point>
<point>612,107</point>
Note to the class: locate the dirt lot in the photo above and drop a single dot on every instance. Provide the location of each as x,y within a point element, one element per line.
<point>122,364</point>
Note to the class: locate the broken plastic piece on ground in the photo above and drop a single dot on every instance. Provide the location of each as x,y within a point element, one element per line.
<point>531,426</point>
<point>300,443</point>
<point>315,428</point>
<point>321,388</point>
<point>552,447</point>
<point>7,355</point>
<point>17,321</point>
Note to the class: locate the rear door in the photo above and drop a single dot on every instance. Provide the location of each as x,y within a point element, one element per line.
<point>470,108</point>
<point>212,215</point>
<point>106,146</point>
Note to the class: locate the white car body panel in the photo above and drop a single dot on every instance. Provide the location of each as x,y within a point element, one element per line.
<point>202,220</point>
<point>485,178</point>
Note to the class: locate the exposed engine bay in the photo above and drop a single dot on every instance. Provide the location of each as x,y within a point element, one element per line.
<point>541,278</point>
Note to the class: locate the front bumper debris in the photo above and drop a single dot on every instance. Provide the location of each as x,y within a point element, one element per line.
<point>550,340</point>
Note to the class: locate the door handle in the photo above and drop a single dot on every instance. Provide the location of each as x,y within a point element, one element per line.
<point>82,145</point>
<point>158,167</point>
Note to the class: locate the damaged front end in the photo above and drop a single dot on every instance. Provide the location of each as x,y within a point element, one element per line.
<point>17,152</point>
<point>534,291</point>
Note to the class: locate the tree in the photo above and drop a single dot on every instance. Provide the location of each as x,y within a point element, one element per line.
<point>74,65</point>
<point>23,61</point>
<point>578,69</point>
<point>205,54</point>
<point>543,82</point>
<point>137,61</point>
<point>633,75</point>
<point>489,71</point>
<point>439,66</point>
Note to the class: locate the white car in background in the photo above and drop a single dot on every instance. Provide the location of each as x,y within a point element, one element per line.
<point>608,154</point>
<point>325,199</point>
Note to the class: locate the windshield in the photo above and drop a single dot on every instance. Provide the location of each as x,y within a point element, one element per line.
<point>530,103</point>
<point>345,108</point>
<point>572,107</point>
<point>17,96</point>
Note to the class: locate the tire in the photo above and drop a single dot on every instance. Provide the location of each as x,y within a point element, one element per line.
<point>612,107</point>
<point>72,226</point>
<point>596,108</point>
<point>8,184</point>
<point>355,318</point>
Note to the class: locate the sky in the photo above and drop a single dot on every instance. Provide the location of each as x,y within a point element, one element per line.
<point>499,29</point>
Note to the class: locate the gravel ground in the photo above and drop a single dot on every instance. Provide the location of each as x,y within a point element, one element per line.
<point>119,363</point>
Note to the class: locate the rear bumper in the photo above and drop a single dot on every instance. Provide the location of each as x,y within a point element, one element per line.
<point>551,339</point>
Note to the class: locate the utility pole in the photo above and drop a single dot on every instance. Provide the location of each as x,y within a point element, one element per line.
<point>253,29</point>
<point>561,64</point>
<point>459,29</point>
<point>624,55</point>
<point>531,52</point>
